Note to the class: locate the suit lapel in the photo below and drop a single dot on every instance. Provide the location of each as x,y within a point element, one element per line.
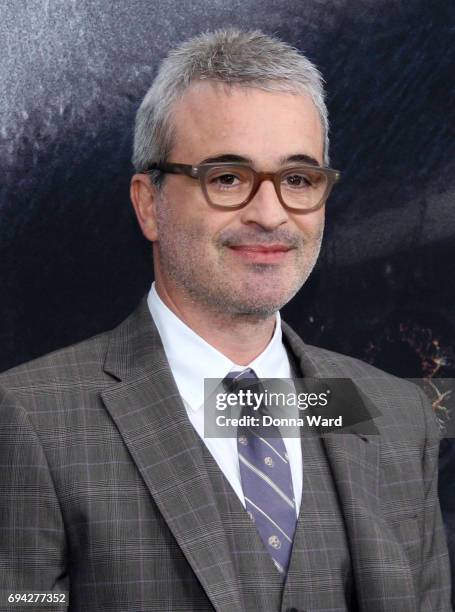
<point>381,569</point>
<point>149,413</point>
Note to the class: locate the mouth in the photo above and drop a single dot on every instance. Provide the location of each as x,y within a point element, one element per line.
<point>261,253</point>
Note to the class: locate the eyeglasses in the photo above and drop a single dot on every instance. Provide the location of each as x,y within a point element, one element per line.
<point>301,188</point>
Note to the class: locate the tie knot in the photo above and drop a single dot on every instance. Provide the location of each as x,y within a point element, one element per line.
<point>240,379</point>
<point>248,387</point>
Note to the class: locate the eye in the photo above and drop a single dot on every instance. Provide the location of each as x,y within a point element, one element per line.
<point>297,181</point>
<point>226,179</point>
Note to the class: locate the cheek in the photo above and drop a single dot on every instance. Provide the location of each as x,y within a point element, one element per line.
<point>311,225</point>
<point>188,221</point>
<point>179,211</point>
<point>179,233</point>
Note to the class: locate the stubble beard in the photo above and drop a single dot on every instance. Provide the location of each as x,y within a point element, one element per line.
<point>184,263</point>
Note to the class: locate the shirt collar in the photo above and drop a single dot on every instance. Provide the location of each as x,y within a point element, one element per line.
<point>192,359</point>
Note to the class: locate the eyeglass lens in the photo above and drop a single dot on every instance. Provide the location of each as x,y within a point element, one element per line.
<point>300,187</point>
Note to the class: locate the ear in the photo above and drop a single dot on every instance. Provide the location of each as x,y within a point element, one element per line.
<point>143,196</point>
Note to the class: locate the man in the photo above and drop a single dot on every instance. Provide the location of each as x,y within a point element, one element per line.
<point>109,488</point>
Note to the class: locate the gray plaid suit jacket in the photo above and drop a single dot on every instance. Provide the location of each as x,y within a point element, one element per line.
<point>104,492</point>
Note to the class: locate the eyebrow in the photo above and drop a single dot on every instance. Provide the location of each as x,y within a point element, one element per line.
<point>300,157</point>
<point>231,157</point>
<point>227,157</point>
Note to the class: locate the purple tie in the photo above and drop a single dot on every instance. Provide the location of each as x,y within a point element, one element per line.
<point>266,476</point>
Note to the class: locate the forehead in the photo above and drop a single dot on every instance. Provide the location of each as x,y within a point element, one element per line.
<point>214,119</point>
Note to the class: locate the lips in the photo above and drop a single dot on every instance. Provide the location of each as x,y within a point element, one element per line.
<point>261,248</point>
<point>261,253</point>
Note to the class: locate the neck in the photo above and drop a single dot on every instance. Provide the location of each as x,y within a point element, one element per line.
<point>241,338</point>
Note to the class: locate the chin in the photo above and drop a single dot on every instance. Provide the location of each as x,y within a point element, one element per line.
<point>262,308</point>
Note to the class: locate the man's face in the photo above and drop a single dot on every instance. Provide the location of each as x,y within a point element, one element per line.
<point>250,261</point>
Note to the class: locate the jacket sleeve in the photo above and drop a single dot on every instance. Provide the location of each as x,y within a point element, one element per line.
<point>32,534</point>
<point>435,579</point>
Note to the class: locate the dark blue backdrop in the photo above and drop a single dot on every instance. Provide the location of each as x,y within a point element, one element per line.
<point>72,261</point>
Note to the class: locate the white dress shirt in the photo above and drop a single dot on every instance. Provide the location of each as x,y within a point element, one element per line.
<point>192,359</point>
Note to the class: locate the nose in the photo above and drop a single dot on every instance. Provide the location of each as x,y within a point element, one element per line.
<point>265,208</point>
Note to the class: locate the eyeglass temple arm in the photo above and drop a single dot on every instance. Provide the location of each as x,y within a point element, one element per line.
<point>185,169</point>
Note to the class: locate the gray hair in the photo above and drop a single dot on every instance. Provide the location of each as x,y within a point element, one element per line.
<point>231,56</point>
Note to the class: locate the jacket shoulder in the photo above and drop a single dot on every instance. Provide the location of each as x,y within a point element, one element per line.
<point>330,363</point>
<point>71,364</point>
<point>402,403</point>
<point>357,367</point>
<point>374,381</point>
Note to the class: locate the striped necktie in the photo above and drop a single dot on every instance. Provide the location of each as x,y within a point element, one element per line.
<point>266,476</point>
